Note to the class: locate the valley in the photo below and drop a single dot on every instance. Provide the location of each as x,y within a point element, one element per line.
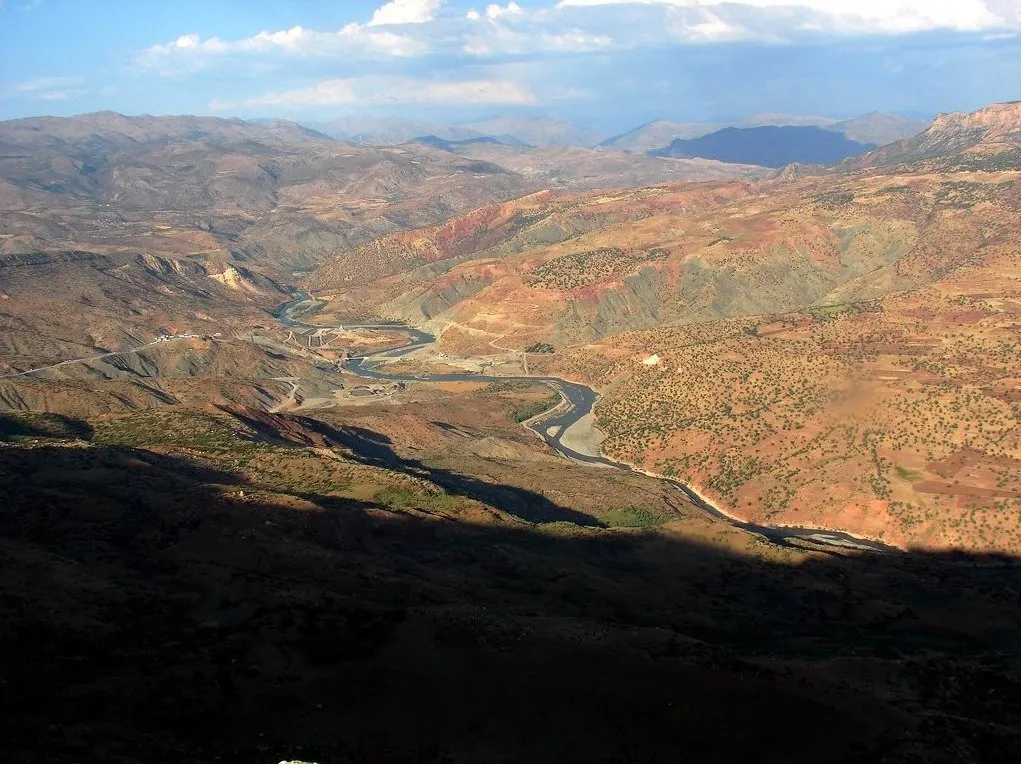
<point>510,382</point>
<point>575,403</point>
<point>493,453</point>
<point>864,324</point>
<point>869,377</point>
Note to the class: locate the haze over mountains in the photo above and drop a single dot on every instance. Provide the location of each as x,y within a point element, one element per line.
<point>876,127</point>
<point>790,138</point>
<point>389,130</point>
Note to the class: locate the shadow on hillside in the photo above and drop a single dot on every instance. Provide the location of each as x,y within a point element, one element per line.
<point>16,426</point>
<point>377,450</point>
<point>153,614</point>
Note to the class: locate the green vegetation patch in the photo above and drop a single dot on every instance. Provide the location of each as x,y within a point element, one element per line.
<point>833,312</point>
<point>522,220</point>
<point>1004,160</point>
<point>964,194</point>
<point>396,498</point>
<point>183,429</point>
<point>912,476</point>
<point>506,387</point>
<point>528,410</point>
<point>835,199</point>
<point>632,517</point>
<point>534,409</point>
<point>540,347</point>
<point>581,269</point>
<point>561,528</point>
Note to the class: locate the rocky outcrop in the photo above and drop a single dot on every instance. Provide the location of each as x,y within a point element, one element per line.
<point>968,138</point>
<point>238,280</point>
<point>995,120</point>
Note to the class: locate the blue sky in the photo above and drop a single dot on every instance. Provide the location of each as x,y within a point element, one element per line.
<point>607,63</point>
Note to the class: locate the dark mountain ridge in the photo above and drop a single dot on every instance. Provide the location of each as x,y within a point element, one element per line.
<point>876,127</point>
<point>767,146</point>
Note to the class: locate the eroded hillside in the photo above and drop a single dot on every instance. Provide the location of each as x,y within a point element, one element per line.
<point>835,350</point>
<point>276,196</point>
<point>587,266</point>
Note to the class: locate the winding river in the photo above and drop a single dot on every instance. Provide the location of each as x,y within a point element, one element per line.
<point>579,399</point>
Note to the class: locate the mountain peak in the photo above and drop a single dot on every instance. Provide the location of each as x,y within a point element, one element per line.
<point>1000,117</point>
<point>989,138</point>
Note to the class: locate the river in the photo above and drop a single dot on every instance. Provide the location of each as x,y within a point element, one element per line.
<point>581,400</point>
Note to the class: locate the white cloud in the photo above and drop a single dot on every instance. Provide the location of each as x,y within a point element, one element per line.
<point>48,89</point>
<point>495,11</point>
<point>511,10</point>
<point>511,30</point>
<point>852,16</point>
<point>352,40</point>
<point>381,90</point>
<point>503,41</point>
<point>405,12</point>
<point>708,27</point>
<point>577,41</point>
<point>403,29</point>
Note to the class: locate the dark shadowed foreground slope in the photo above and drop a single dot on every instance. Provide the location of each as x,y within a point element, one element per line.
<point>187,604</point>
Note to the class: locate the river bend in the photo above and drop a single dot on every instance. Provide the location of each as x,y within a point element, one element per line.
<point>579,400</point>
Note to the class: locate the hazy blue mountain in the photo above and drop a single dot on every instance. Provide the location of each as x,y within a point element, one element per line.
<point>768,146</point>
<point>382,131</point>
<point>657,133</point>
<point>453,146</point>
<point>537,131</point>
<point>880,128</point>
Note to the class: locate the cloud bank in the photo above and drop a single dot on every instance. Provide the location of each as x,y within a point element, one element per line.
<point>388,90</point>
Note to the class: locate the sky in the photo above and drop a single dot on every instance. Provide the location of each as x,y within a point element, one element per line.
<point>610,64</point>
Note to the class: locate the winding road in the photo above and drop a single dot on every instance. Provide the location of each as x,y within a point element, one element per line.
<point>101,356</point>
<point>579,401</point>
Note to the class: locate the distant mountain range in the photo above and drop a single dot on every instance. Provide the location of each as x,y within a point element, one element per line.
<point>768,146</point>
<point>537,131</point>
<point>454,146</point>
<point>217,176</point>
<point>386,131</point>
<point>658,133</point>
<point>576,167</point>
<point>877,128</point>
